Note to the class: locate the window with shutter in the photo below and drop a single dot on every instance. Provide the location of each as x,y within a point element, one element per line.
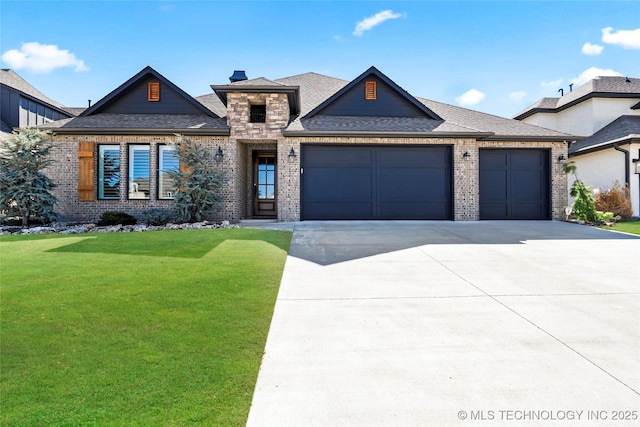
<point>370,91</point>
<point>153,91</point>
<point>85,171</point>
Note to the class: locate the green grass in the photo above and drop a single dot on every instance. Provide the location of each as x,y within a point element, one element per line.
<point>632,227</point>
<point>135,329</point>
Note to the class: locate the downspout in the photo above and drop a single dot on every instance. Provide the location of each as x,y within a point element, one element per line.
<point>627,180</point>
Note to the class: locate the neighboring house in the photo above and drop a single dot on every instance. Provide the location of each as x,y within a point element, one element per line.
<point>605,110</point>
<point>22,105</point>
<point>309,147</point>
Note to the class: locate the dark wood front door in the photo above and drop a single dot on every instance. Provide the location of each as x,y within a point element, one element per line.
<point>264,184</point>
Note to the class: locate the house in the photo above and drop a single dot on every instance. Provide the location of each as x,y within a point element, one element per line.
<point>606,111</point>
<point>22,105</point>
<point>309,147</point>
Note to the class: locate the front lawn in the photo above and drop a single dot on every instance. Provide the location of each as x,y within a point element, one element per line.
<point>627,226</point>
<point>135,329</point>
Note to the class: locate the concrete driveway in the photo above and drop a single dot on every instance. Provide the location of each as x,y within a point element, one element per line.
<point>420,323</point>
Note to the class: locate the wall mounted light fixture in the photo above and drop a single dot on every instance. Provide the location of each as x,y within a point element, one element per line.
<point>218,156</point>
<point>636,165</point>
<point>466,155</point>
<point>292,155</point>
<point>562,159</point>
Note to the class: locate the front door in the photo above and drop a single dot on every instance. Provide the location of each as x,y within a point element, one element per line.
<point>264,184</point>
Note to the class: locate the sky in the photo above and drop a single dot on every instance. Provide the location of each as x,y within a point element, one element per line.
<point>493,56</point>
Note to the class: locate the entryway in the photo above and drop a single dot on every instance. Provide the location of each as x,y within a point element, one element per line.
<point>264,184</point>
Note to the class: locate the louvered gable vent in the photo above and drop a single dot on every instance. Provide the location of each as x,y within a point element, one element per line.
<point>153,90</point>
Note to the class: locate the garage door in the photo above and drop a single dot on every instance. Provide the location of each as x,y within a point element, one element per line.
<point>514,184</point>
<point>373,182</point>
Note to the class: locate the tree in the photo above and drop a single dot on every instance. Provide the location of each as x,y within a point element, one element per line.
<point>25,191</point>
<point>199,182</point>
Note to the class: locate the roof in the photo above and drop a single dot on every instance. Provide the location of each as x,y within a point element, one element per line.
<point>261,85</point>
<point>124,88</point>
<point>98,118</point>
<point>623,129</point>
<point>11,79</point>
<point>601,87</point>
<point>311,91</point>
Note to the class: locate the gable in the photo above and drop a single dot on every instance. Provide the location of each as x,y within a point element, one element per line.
<point>148,92</point>
<point>373,94</point>
<point>136,101</point>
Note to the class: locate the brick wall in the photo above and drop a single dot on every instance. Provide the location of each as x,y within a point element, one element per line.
<point>64,172</point>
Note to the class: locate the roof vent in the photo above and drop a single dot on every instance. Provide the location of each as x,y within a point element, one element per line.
<point>238,76</point>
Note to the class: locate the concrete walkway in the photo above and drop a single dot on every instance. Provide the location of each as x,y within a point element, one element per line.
<point>453,324</point>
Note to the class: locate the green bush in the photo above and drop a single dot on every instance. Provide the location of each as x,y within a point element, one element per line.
<point>157,216</point>
<point>116,218</point>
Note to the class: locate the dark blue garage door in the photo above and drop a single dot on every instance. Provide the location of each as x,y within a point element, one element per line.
<point>514,184</point>
<point>373,182</point>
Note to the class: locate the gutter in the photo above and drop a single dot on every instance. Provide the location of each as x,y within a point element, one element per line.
<point>627,176</point>
<point>384,134</point>
<point>125,131</point>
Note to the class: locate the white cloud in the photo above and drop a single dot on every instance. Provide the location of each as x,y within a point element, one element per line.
<point>592,73</point>
<point>517,96</point>
<point>628,39</point>
<point>372,21</point>
<point>470,98</point>
<point>337,38</point>
<point>41,58</point>
<point>592,49</point>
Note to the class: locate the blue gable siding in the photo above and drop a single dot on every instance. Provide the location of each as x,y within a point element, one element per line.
<point>388,103</point>
<point>135,101</point>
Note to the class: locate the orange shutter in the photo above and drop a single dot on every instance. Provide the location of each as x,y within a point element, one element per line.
<point>153,91</point>
<point>370,90</point>
<point>85,171</point>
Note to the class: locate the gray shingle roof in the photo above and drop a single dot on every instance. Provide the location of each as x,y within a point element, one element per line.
<point>12,79</point>
<point>314,88</point>
<point>483,122</point>
<point>167,122</point>
<point>600,86</point>
<point>619,130</point>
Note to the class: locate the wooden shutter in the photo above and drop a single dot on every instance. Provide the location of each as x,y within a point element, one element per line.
<point>370,90</point>
<point>85,171</point>
<point>153,91</point>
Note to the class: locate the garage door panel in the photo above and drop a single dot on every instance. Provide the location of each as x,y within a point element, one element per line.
<point>514,184</point>
<point>337,157</point>
<point>402,182</point>
<point>349,210</point>
<point>412,211</point>
<point>493,185</point>
<point>338,184</point>
<point>412,184</point>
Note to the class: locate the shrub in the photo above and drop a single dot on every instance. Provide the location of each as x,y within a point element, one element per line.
<point>199,182</point>
<point>616,200</point>
<point>116,218</point>
<point>157,216</point>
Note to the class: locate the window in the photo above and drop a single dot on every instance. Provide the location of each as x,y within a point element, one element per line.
<point>153,91</point>
<point>167,161</point>
<point>370,91</point>
<point>109,172</point>
<point>266,177</point>
<point>139,168</point>
<point>258,114</point>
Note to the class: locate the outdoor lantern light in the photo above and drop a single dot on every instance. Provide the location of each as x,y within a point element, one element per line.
<point>292,156</point>
<point>466,155</point>
<point>636,162</point>
<point>562,159</point>
<point>219,155</point>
